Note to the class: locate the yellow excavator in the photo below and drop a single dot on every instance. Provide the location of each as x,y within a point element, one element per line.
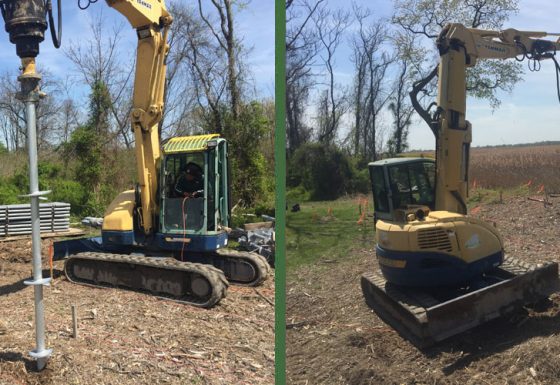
<point>144,227</point>
<point>443,271</point>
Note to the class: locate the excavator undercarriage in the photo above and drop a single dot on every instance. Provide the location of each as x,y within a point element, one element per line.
<point>426,316</point>
<point>190,283</point>
<point>240,267</point>
<point>199,279</point>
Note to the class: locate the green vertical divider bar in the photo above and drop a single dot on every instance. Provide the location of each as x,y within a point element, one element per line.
<point>280,172</point>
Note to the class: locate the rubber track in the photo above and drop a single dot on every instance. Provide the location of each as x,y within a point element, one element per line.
<point>259,263</point>
<point>213,276</point>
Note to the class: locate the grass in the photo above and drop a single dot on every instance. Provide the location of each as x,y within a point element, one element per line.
<point>327,231</point>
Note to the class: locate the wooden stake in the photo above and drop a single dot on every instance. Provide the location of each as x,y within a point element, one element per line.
<point>74,322</point>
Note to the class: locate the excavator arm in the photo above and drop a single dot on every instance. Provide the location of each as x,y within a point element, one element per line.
<point>506,44</point>
<point>460,48</point>
<point>151,21</point>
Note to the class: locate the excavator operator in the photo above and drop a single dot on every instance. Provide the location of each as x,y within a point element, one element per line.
<point>189,183</point>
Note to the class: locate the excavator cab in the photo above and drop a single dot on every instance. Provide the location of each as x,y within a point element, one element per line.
<point>196,217</point>
<point>400,185</point>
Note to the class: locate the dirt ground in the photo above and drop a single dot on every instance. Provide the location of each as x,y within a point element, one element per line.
<point>131,338</point>
<point>333,337</point>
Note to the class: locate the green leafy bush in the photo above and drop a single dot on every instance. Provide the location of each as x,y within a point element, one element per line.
<point>69,191</point>
<point>360,182</point>
<point>319,172</point>
<point>297,194</point>
<point>324,171</point>
<point>9,193</point>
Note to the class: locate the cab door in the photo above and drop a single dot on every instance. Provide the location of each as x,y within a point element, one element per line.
<point>223,196</point>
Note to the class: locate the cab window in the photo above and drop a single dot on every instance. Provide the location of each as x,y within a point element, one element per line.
<point>380,199</point>
<point>412,184</point>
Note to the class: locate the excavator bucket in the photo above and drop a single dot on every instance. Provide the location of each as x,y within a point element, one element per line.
<point>425,317</point>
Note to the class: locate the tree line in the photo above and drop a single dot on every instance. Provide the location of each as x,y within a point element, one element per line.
<point>209,89</point>
<point>370,117</point>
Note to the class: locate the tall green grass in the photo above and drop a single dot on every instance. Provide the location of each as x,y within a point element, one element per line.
<point>324,232</point>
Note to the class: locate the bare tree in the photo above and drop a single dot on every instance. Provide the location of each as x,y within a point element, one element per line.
<point>207,71</point>
<point>228,42</point>
<point>5,129</point>
<point>401,109</point>
<point>301,50</point>
<point>97,62</point>
<point>49,110</point>
<point>371,91</point>
<point>69,114</point>
<point>178,95</point>
<point>330,27</point>
<point>12,110</point>
<point>207,67</point>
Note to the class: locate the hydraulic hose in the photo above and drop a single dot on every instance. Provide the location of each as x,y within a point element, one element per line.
<point>56,36</point>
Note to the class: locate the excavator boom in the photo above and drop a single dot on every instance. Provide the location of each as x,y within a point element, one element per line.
<point>460,48</point>
<point>151,21</point>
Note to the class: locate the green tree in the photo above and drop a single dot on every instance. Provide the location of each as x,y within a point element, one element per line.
<point>252,177</point>
<point>425,19</point>
<point>86,145</point>
<point>324,171</point>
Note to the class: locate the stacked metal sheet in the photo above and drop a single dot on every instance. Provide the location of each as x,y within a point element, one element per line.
<point>16,219</point>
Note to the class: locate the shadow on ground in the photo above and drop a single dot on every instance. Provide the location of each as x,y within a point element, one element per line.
<point>14,287</point>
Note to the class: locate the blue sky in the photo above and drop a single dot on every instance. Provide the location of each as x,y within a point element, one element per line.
<point>255,27</point>
<point>530,113</point>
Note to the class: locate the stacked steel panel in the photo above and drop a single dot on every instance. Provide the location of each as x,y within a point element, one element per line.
<point>16,219</point>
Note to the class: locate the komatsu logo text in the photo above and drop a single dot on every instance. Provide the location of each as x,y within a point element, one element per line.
<point>144,3</point>
<point>493,48</point>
